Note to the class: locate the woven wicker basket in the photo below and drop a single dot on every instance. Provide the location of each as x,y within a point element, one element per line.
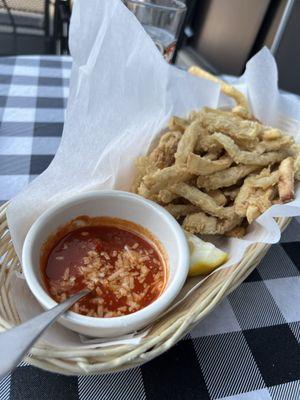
<point>163,335</point>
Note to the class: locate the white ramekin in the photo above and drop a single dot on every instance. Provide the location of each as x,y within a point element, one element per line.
<point>117,204</point>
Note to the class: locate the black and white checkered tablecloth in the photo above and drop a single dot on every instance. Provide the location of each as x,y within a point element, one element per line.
<point>246,349</point>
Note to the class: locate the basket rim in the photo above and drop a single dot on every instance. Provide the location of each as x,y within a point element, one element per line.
<point>84,361</point>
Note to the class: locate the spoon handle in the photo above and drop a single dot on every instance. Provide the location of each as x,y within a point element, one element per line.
<point>16,342</point>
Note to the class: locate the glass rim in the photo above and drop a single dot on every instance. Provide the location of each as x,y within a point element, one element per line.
<point>181,6</point>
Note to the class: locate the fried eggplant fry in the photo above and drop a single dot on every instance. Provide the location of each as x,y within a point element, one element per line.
<point>253,200</point>
<point>297,168</point>
<point>271,133</point>
<point>200,223</point>
<point>187,142</point>
<point>178,124</point>
<point>227,89</point>
<point>265,179</point>
<point>181,210</point>
<point>294,151</point>
<point>231,192</point>
<point>205,143</point>
<point>164,154</point>
<point>210,156</point>
<point>243,131</point>
<point>201,166</point>
<point>144,167</point>
<point>218,197</point>
<point>274,145</point>
<point>145,192</point>
<point>286,180</point>
<point>166,177</point>
<point>202,200</point>
<point>165,196</point>
<point>247,157</point>
<point>226,178</point>
<point>237,232</point>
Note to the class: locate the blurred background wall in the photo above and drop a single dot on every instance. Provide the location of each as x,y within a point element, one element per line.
<point>224,34</point>
<point>220,35</point>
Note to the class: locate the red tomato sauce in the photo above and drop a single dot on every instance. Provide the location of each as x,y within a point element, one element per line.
<point>124,269</point>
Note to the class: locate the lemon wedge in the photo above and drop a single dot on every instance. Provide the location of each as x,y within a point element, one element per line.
<point>204,256</point>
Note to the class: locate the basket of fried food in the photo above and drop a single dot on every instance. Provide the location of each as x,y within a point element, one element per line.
<point>218,170</point>
<point>215,171</point>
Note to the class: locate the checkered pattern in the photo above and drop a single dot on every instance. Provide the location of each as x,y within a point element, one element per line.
<point>33,94</point>
<point>247,348</point>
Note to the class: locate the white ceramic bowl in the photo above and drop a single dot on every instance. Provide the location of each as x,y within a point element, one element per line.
<point>117,204</point>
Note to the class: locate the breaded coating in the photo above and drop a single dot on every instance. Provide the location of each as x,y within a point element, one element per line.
<point>231,192</point>
<point>187,143</point>
<point>201,223</point>
<point>286,180</point>
<point>205,143</point>
<point>202,166</point>
<point>226,178</point>
<point>237,232</point>
<point>218,197</point>
<point>145,192</point>
<point>144,167</point>
<point>165,196</point>
<point>163,178</point>
<point>269,133</point>
<point>274,145</point>
<point>241,101</point>
<point>247,157</point>
<point>178,124</point>
<point>164,154</point>
<point>181,210</point>
<point>265,179</point>
<point>202,200</point>
<point>242,131</point>
<point>252,201</point>
<point>219,169</point>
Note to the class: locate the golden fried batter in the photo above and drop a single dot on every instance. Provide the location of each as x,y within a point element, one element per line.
<point>241,101</point>
<point>201,223</point>
<point>181,210</point>
<point>178,124</point>
<point>144,167</point>
<point>187,142</point>
<point>231,192</point>
<point>202,200</point>
<point>274,145</point>
<point>225,178</point>
<point>163,178</point>
<point>237,232</point>
<point>218,197</point>
<point>223,168</point>
<point>202,166</point>
<point>247,157</point>
<point>251,200</point>
<point>165,196</point>
<point>164,154</point>
<point>244,131</point>
<point>286,180</point>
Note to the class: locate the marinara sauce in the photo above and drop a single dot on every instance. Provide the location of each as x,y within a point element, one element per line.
<point>120,262</point>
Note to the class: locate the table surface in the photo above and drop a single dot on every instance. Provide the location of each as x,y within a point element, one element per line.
<point>247,348</point>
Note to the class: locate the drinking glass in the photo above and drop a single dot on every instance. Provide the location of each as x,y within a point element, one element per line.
<point>162,20</point>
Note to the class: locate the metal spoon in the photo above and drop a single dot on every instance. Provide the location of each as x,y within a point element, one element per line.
<point>16,342</point>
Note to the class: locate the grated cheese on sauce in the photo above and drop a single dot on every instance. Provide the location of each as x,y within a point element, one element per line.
<point>124,271</point>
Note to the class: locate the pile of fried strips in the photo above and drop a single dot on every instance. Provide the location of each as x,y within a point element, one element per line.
<point>217,170</point>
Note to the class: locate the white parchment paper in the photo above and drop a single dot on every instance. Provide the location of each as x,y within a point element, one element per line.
<point>122,94</point>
